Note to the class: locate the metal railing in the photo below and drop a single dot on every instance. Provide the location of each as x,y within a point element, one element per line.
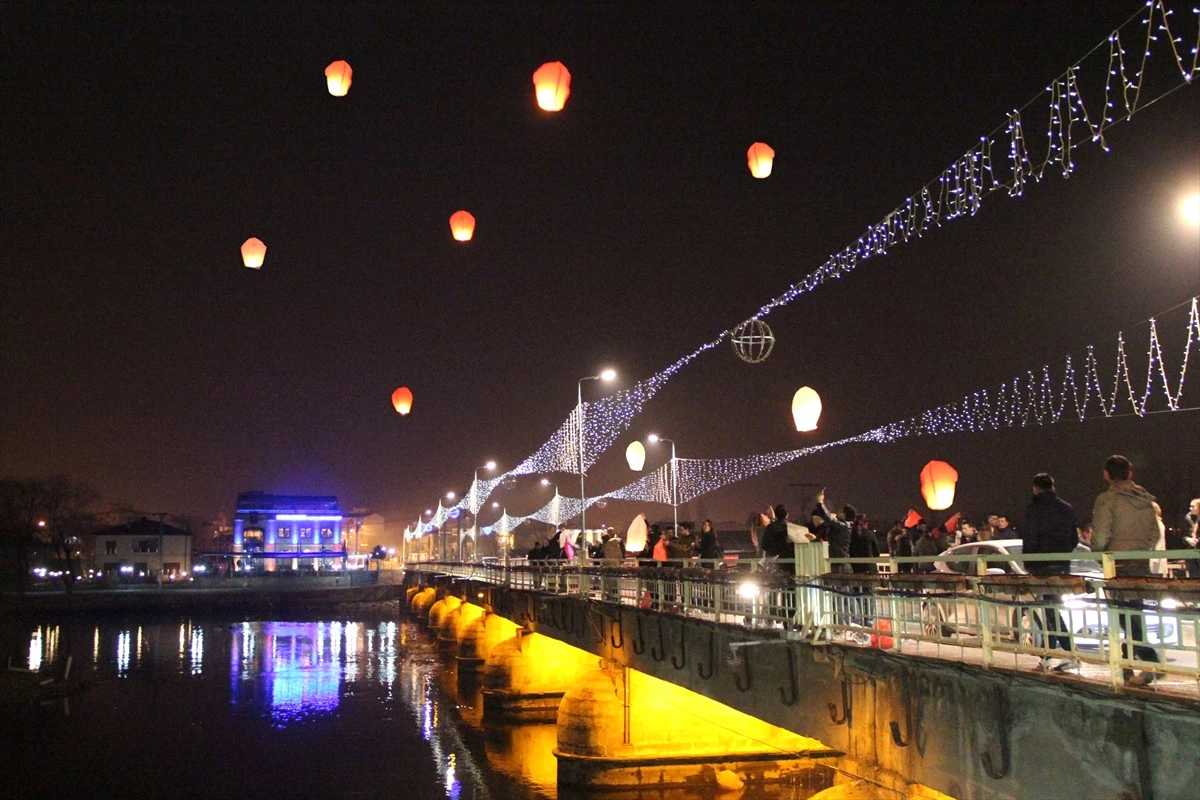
<point>1097,628</point>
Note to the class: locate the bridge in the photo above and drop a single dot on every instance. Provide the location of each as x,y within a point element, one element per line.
<point>924,683</point>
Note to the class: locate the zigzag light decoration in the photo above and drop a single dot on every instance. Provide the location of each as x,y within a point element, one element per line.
<point>1035,398</point>
<point>957,192</point>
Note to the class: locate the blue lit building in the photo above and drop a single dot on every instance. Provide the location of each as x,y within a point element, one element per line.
<point>276,531</point>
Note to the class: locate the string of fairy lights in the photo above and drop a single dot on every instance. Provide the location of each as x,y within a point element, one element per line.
<point>958,191</point>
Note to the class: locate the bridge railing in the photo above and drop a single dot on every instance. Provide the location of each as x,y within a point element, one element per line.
<point>987,613</point>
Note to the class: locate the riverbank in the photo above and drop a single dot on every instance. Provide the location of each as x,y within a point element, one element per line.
<point>243,594</point>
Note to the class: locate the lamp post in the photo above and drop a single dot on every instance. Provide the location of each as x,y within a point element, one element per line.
<point>446,533</point>
<point>654,437</point>
<point>606,375</point>
<point>504,540</point>
<point>474,505</point>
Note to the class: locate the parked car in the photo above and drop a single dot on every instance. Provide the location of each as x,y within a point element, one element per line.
<point>1084,617</point>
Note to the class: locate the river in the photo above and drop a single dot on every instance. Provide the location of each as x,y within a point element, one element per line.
<point>347,704</point>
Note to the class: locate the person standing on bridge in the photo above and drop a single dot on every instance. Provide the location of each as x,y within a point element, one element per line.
<point>1124,520</point>
<point>1050,528</point>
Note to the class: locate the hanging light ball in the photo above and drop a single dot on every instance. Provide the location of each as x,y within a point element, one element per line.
<point>402,400</point>
<point>462,226</point>
<point>337,77</point>
<point>752,341</point>
<point>635,454</point>
<point>760,157</point>
<point>806,409</point>
<point>937,485</point>
<point>552,86</point>
<point>253,253</point>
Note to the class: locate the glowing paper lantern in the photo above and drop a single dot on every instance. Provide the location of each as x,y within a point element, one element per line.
<point>337,76</point>
<point>806,409</point>
<point>552,85</point>
<point>937,485</point>
<point>635,454</point>
<point>253,253</point>
<point>760,157</point>
<point>635,537</point>
<point>462,225</point>
<point>402,400</point>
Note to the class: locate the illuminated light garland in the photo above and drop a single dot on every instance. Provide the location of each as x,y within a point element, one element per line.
<point>959,191</point>
<point>1034,398</point>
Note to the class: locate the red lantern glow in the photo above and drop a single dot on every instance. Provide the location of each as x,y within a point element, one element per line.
<point>402,400</point>
<point>337,77</point>
<point>937,485</point>
<point>462,226</point>
<point>253,253</point>
<point>552,86</point>
<point>760,158</point>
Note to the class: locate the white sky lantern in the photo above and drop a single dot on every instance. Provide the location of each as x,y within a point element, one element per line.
<point>337,76</point>
<point>635,537</point>
<point>806,409</point>
<point>635,454</point>
<point>760,158</point>
<point>253,253</point>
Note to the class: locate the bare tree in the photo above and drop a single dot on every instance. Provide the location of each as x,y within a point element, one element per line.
<point>35,511</point>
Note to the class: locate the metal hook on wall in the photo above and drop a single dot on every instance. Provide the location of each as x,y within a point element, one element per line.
<point>682,662</point>
<point>660,652</point>
<point>737,673</point>
<point>912,720</point>
<point>616,630</point>
<point>1003,724</point>
<point>712,659</point>
<point>847,704</point>
<point>793,688</point>
<point>639,644</point>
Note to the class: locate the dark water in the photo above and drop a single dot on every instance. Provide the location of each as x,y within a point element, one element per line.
<point>356,705</point>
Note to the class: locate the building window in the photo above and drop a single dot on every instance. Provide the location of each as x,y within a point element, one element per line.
<point>110,548</point>
<point>326,533</point>
<point>146,546</point>
<point>284,533</point>
<point>306,534</point>
<point>252,538</point>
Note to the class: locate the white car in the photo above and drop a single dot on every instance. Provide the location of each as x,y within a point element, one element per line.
<point>1084,617</point>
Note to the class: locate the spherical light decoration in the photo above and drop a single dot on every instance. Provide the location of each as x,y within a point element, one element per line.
<point>253,253</point>
<point>806,409</point>
<point>552,86</point>
<point>752,341</point>
<point>760,157</point>
<point>462,226</point>
<point>337,77</point>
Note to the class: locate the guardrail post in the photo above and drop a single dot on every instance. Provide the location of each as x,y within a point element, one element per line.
<point>985,625</point>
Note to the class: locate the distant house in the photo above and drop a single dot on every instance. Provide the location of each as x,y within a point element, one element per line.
<point>276,531</point>
<point>142,549</point>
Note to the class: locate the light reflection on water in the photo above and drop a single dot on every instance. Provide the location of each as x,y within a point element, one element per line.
<point>275,691</point>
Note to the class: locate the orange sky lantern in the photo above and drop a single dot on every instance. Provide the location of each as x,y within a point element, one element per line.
<point>337,76</point>
<point>253,253</point>
<point>462,225</point>
<point>937,485</point>
<point>552,85</point>
<point>806,409</point>
<point>760,157</point>
<point>402,400</point>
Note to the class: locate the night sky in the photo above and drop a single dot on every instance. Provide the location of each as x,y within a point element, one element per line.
<point>142,143</point>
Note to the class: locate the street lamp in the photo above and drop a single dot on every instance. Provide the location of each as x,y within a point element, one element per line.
<point>606,375</point>
<point>473,505</point>
<point>652,438</point>
<point>451,496</point>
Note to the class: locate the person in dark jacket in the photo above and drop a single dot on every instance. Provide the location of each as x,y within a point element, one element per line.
<point>709,549</point>
<point>863,543</point>
<point>775,542</point>
<point>1050,528</point>
<point>834,531</point>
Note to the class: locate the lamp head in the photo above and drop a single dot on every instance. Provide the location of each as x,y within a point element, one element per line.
<point>652,438</point>
<point>490,465</point>
<point>450,495</point>
<point>608,375</point>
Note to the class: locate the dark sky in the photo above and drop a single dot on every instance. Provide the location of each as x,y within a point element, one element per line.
<point>142,143</point>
